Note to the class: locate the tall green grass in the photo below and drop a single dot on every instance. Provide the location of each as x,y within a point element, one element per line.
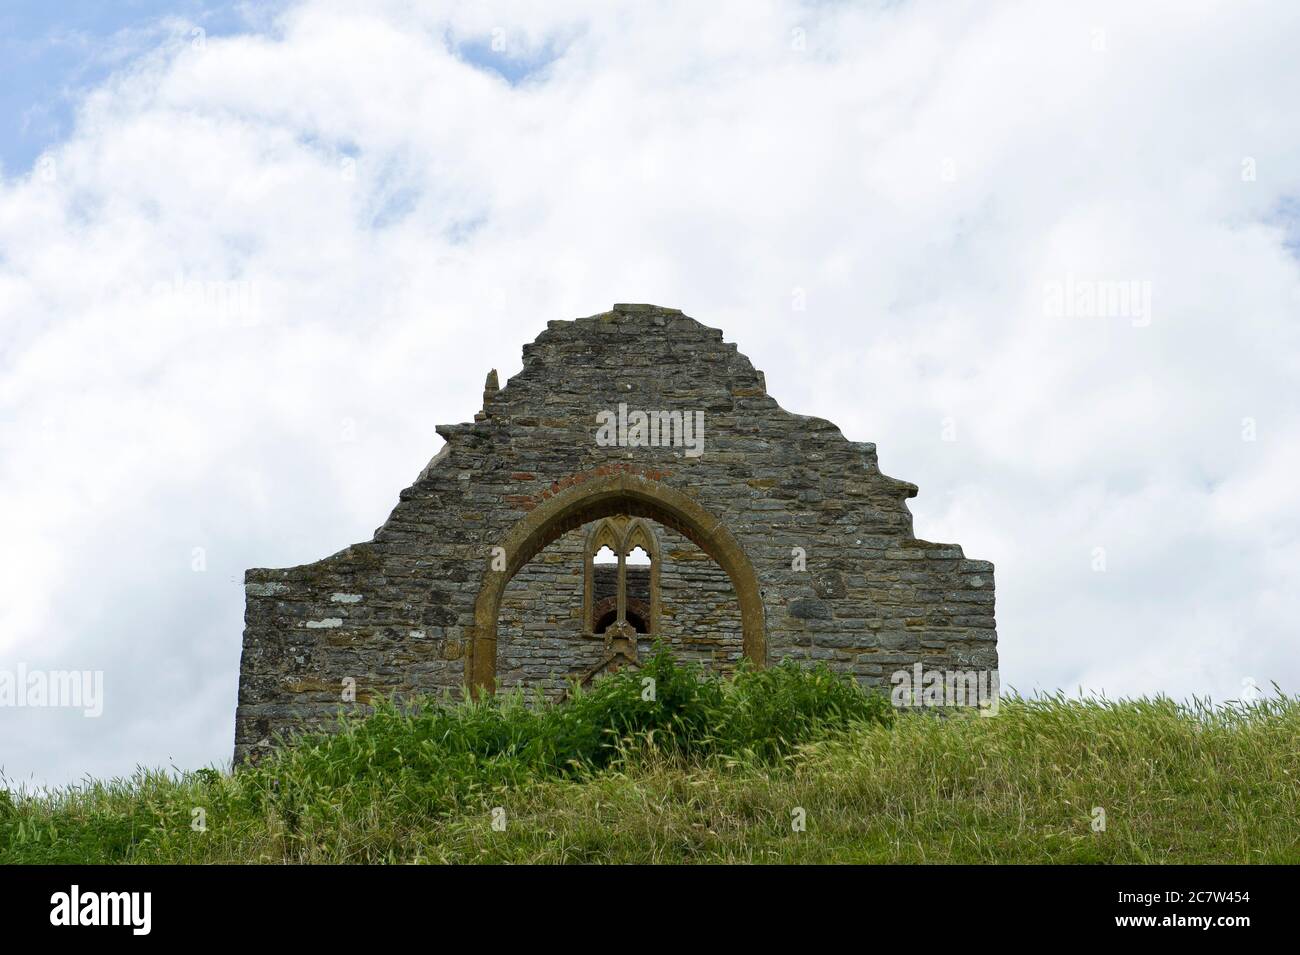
<point>714,770</point>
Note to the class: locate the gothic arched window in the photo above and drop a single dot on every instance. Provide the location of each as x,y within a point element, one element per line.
<point>621,576</point>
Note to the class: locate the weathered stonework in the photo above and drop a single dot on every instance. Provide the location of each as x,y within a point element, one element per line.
<point>445,595</point>
<point>542,642</point>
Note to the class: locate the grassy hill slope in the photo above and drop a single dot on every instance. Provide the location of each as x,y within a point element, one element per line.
<point>715,771</point>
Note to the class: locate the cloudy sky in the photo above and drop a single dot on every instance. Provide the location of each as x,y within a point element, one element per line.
<point>250,258</point>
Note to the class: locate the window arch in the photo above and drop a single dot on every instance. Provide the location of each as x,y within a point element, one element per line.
<point>630,591</point>
<point>594,495</point>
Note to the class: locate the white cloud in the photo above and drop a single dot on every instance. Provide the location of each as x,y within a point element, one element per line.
<point>264,270</point>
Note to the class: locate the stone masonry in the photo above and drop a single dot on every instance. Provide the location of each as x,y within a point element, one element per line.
<point>541,639</point>
<point>779,538</point>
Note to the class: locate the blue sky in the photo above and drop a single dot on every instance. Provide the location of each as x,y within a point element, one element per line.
<point>53,52</point>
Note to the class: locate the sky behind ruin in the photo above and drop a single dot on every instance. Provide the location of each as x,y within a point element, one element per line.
<point>251,256</point>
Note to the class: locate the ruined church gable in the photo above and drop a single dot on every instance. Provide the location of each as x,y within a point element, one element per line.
<point>640,412</point>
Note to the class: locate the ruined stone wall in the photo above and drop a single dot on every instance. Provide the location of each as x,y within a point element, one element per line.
<point>409,611</point>
<point>541,642</point>
<point>699,615</point>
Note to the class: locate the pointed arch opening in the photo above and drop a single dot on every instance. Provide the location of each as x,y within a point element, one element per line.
<point>627,496</point>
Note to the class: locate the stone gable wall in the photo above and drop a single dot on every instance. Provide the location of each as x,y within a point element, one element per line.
<point>398,614</point>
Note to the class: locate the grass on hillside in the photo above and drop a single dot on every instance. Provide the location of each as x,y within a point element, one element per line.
<point>715,771</point>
